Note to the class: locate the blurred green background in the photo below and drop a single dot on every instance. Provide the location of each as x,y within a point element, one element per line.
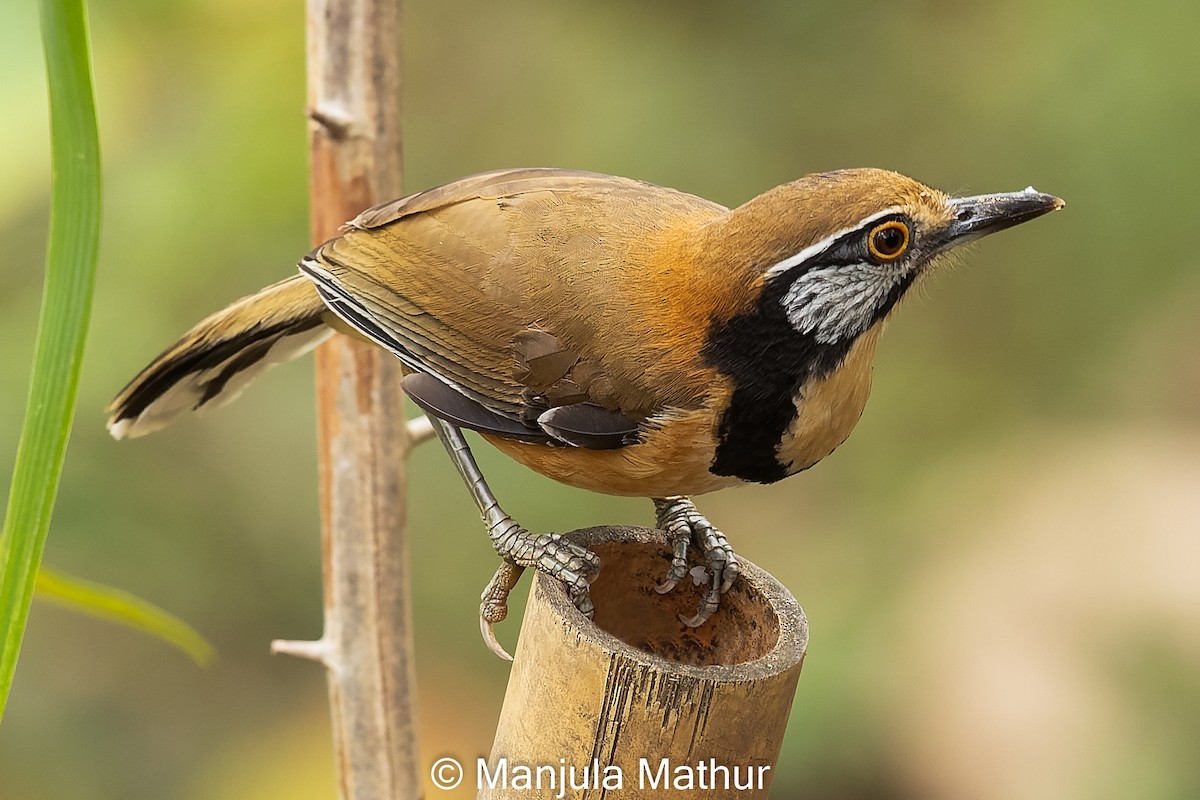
<point>1002,565</point>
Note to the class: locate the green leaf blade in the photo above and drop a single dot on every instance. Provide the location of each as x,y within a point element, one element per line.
<point>62,325</point>
<point>124,608</point>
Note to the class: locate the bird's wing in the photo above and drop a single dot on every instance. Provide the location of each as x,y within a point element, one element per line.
<point>523,291</point>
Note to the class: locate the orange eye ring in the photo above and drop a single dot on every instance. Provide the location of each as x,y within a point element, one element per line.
<point>888,241</point>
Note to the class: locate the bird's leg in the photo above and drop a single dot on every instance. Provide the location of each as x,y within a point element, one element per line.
<point>571,564</point>
<point>684,526</point>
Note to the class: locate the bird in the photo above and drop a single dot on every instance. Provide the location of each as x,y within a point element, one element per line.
<point>608,333</point>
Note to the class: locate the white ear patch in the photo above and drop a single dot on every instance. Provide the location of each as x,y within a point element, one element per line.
<point>835,303</point>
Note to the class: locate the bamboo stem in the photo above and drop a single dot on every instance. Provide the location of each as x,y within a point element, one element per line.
<point>363,439</point>
<point>639,698</point>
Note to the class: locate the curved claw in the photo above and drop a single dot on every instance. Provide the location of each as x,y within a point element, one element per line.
<point>710,604</point>
<point>700,617</point>
<point>493,605</point>
<point>489,638</point>
<point>678,569</point>
<point>732,570</point>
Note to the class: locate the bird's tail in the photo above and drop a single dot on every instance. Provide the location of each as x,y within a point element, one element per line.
<point>220,355</point>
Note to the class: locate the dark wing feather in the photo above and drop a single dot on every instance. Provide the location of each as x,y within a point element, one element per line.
<point>588,425</point>
<point>438,398</point>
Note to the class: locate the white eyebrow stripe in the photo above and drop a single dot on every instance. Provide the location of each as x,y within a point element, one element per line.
<point>816,249</point>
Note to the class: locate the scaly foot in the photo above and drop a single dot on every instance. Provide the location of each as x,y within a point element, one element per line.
<point>574,566</point>
<point>685,526</point>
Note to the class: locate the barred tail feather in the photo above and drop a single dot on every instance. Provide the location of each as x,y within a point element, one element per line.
<point>219,356</point>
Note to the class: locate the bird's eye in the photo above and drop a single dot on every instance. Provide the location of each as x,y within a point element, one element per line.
<point>888,241</point>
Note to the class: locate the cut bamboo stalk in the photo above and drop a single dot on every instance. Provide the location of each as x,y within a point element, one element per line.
<point>363,439</point>
<point>672,711</point>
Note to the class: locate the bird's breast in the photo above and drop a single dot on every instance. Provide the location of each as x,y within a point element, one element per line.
<point>793,400</point>
<point>827,408</point>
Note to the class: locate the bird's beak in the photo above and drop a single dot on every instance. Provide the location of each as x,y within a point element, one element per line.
<point>987,213</point>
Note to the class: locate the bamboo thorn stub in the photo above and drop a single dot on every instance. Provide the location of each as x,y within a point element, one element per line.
<point>420,430</point>
<point>313,651</point>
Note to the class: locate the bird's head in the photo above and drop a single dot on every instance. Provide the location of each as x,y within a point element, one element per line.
<point>839,249</point>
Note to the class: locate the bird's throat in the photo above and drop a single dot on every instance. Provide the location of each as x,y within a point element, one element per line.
<point>770,365</point>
